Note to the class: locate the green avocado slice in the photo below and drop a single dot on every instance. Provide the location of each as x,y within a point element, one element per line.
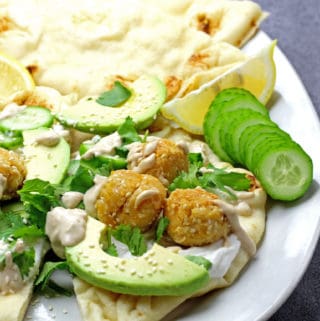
<point>43,162</point>
<point>158,272</point>
<point>148,94</point>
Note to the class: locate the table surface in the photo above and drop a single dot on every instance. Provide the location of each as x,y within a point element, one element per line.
<point>296,25</point>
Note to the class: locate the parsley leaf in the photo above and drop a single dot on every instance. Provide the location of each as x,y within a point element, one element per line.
<point>161,227</point>
<point>12,225</point>
<point>128,132</point>
<point>47,270</point>
<point>115,97</point>
<point>38,198</point>
<point>25,260</point>
<point>215,180</point>
<point>132,237</point>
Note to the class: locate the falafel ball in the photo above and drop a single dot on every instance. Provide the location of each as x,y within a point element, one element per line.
<point>130,198</point>
<point>194,218</point>
<point>12,173</point>
<point>158,157</point>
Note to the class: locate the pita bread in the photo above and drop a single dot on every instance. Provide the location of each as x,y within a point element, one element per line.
<point>104,40</point>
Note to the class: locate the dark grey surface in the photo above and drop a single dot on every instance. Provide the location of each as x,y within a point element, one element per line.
<point>296,25</point>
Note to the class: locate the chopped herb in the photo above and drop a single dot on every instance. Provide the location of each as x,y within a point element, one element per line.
<point>46,272</point>
<point>25,260</point>
<point>128,132</point>
<point>80,179</point>
<point>115,97</point>
<point>110,247</point>
<point>161,227</point>
<point>214,179</point>
<point>200,260</point>
<point>132,237</point>
<point>38,198</point>
<point>12,225</point>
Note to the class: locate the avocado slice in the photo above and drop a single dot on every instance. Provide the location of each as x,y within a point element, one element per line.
<point>158,272</point>
<point>46,163</point>
<point>148,94</point>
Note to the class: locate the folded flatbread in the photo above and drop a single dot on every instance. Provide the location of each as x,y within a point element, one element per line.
<point>79,46</point>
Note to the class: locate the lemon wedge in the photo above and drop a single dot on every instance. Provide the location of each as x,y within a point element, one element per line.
<point>14,77</point>
<point>257,74</point>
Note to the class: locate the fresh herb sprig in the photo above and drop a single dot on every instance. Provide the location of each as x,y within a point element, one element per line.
<point>212,179</point>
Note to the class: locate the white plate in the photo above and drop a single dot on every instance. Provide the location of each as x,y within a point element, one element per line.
<point>291,234</point>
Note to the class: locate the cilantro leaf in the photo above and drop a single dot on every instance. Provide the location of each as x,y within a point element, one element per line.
<point>115,97</point>
<point>46,272</point>
<point>12,225</point>
<point>25,260</point>
<point>38,198</point>
<point>200,260</point>
<point>128,132</point>
<point>80,179</point>
<point>214,180</point>
<point>161,227</point>
<point>132,237</point>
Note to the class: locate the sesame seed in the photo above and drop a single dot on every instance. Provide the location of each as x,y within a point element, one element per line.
<point>149,273</point>
<point>65,311</point>
<point>170,261</point>
<point>133,272</point>
<point>140,275</point>
<point>50,308</point>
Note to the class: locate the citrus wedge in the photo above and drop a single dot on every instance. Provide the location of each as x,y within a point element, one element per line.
<point>14,77</point>
<point>257,74</point>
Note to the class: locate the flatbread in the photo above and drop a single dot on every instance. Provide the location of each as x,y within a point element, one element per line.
<point>92,43</point>
<point>97,304</point>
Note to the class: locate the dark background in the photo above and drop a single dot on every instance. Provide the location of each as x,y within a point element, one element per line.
<point>296,25</point>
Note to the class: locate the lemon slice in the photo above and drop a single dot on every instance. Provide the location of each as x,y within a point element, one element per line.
<point>14,77</point>
<point>257,74</point>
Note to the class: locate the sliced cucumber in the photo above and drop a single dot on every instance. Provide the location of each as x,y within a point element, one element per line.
<point>285,172</point>
<point>251,136</point>
<point>115,162</point>
<point>9,140</point>
<point>239,130</point>
<point>31,117</point>
<point>243,119</point>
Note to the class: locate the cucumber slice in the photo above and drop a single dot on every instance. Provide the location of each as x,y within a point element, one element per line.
<point>243,119</point>
<point>239,128</point>
<point>31,117</point>
<point>286,172</point>
<point>115,162</point>
<point>241,99</point>
<point>212,137</point>
<point>250,135</point>
<point>257,148</point>
<point>10,140</point>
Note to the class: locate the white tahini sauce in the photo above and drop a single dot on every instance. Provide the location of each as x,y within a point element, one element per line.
<point>3,184</point>
<point>141,156</point>
<point>90,197</point>
<point>71,199</point>
<point>48,138</point>
<point>65,227</point>
<point>221,254</point>
<point>10,277</point>
<point>231,211</point>
<point>11,110</point>
<point>146,194</point>
<point>105,146</point>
